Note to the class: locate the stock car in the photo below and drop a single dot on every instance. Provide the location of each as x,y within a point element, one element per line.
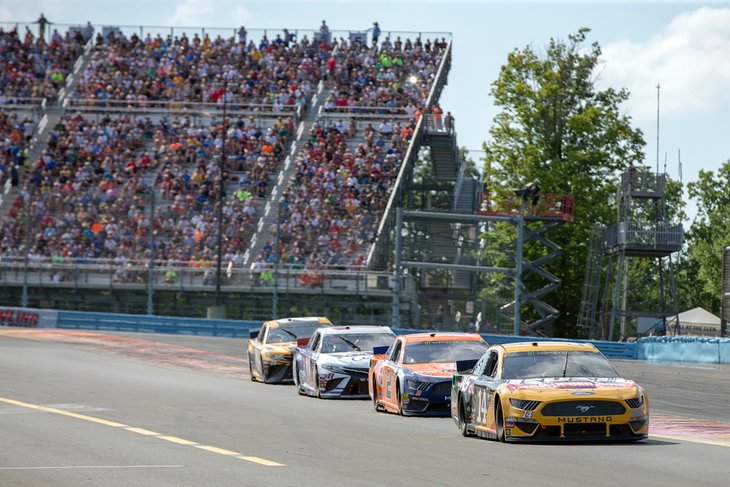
<point>334,362</point>
<point>413,376</point>
<point>270,348</point>
<point>547,391</point>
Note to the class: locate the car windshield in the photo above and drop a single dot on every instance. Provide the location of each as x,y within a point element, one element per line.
<point>289,332</point>
<point>355,342</point>
<point>529,365</point>
<point>443,351</point>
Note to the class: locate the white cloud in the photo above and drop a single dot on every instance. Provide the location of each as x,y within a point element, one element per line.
<point>198,13</point>
<point>690,58</point>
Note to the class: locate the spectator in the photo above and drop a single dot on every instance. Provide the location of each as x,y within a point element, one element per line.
<point>42,23</point>
<point>376,33</point>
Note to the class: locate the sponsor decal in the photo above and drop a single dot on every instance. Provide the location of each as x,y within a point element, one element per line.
<point>28,317</point>
<point>508,432</point>
<point>584,408</point>
<point>510,422</point>
<point>582,393</point>
<point>585,419</point>
<point>637,412</point>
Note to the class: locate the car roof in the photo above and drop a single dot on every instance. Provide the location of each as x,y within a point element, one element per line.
<point>548,346</point>
<point>442,337</point>
<point>344,330</point>
<point>299,320</point>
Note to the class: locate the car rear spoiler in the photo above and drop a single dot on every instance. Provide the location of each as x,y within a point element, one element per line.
<point>465,365</point>
<point>302,342</point>
<point>253,333</point>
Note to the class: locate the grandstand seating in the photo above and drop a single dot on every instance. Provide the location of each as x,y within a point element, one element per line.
<point>32,68</point>
<point>92,187</point>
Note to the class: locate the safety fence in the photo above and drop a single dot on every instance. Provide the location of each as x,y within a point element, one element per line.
<point>664,349</point>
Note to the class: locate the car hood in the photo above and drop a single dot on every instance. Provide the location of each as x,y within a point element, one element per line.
<point>434,369</point>
<point>572,386</point>
<point>357,360</point>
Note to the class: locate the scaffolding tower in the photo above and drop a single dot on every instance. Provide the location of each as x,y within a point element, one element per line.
<point>639,280</point>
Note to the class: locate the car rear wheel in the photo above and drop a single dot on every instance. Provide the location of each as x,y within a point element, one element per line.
<point>499,420</point>
<point>462,419</point>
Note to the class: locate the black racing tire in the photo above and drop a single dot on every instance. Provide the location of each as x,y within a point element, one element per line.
<point>295,376</point>
<point>499,421</point>
<point>250,369</point>
<point>376,403</point>
<point>463,419</point>
<point>317,392</point>
<point>400,399</point>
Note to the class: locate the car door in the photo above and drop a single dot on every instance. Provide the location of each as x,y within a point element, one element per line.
<point>255,350</point>
<point>483,397</point>
<point>310,365</point>
<point>390,374</point>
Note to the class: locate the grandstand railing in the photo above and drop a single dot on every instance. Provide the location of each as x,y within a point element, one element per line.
<point>510,204</point>
<point>182,107</point>
<point>376,255</point>
<point>35,106</point>
<point>185,276</point>
<point>364,112</point>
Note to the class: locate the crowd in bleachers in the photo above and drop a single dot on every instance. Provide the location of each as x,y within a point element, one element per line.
<point>91,188</point>
<point>15,133</point>
<point>30,67</point>
<point>197,69</point>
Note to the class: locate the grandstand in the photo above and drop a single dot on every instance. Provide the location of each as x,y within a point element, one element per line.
<point>114,153</point>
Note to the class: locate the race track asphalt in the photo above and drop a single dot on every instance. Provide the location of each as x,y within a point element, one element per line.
<point>78,408</point>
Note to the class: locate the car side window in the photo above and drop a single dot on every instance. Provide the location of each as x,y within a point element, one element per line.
<point>490,368</point>
<point>395,352</point>
<point>479,367</point>
<point>262,334</point>
<point>314,342</point>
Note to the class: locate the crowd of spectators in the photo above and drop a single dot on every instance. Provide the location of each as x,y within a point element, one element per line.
<point>91,191</point>
<point>15,133</point>
<point>330,212</point>
<point>198,69</point>
<point>30,67</point>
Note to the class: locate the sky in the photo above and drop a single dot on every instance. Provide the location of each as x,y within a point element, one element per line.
<point>682,46</point>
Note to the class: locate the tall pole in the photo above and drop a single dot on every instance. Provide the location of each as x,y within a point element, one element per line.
<point>518,274</point>
<point>657,127</point>
<point>277,250</point>
<point>151,270</point>
<point>221,167</point>
<point>397,275</point>
<point>29,204</point>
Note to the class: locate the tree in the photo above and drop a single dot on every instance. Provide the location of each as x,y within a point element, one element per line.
<point>555,125</point>
<point>709,235</point>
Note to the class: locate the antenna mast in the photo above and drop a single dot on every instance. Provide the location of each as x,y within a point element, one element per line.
<point>657,127</point>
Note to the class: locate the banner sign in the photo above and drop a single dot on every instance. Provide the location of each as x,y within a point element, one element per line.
<point>28,317</point>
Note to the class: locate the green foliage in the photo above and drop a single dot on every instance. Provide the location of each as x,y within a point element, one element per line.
<point>710,233</point>
<point>556,126</point>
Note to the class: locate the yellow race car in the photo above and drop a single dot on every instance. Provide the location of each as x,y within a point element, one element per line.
<point>553,391</point>
<point>270,348</point>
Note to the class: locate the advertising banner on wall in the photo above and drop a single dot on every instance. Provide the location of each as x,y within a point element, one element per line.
<point>28,317</point>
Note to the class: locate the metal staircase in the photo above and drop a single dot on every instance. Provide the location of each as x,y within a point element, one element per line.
<point>286,173</point>
<point>592,284</point>
<point>547,314</point>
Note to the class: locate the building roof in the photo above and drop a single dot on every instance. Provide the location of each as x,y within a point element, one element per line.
<point>697,315</point>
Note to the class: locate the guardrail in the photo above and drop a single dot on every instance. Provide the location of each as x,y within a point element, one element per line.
<point>644,234</point>
<point>182,276</point>
<point>182,107</point>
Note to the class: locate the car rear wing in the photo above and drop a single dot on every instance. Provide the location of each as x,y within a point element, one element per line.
<point>302,342</point>
<point>254,333</point>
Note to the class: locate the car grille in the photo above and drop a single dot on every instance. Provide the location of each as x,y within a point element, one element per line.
<point>634,403</point>
<point>583,408</point>
<point>441,388</point>
<point>356,373</point>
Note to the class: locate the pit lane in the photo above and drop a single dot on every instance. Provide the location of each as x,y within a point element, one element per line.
<point>196,389</point>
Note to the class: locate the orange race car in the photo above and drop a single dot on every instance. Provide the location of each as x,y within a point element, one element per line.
<point>413,375</point>
<point>270,348</point>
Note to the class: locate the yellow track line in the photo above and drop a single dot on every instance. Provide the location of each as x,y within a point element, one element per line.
<point>142,431</point>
